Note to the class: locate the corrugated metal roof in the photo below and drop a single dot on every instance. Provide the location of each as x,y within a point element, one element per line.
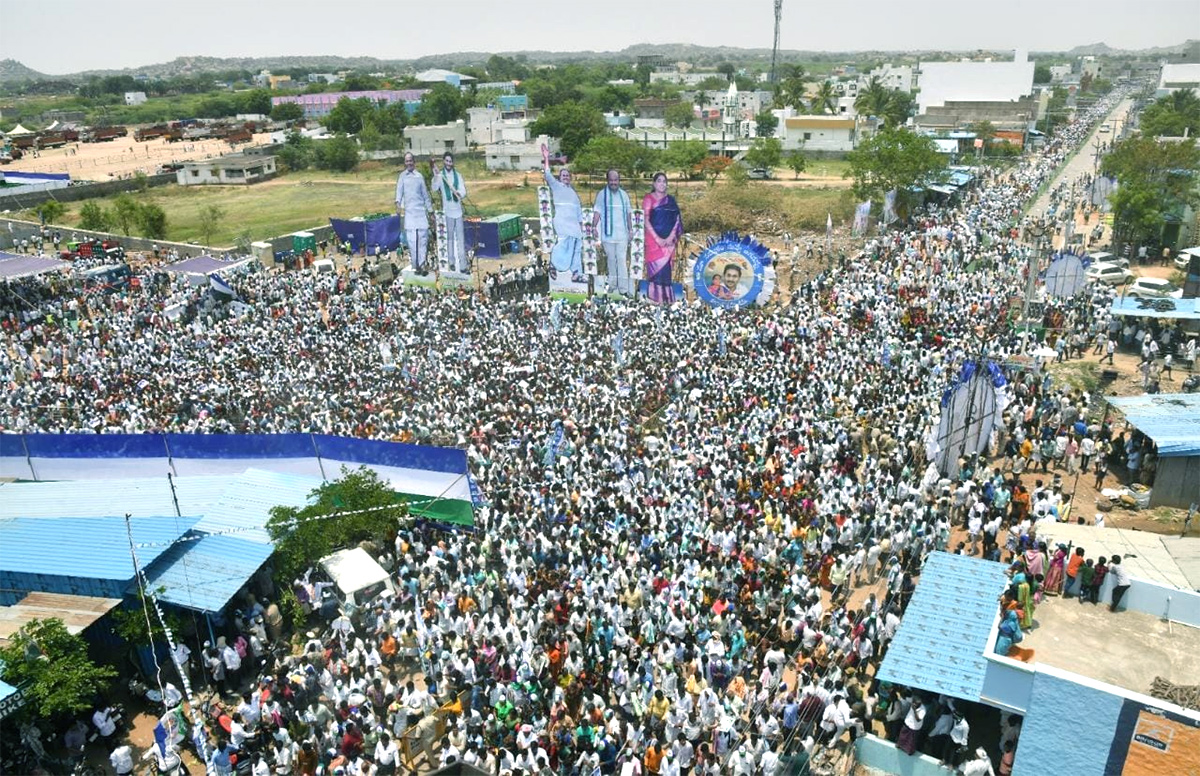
<point>76,611</point>
<point>87,547</point>
<point>140,497</point>
<point>942,639</point>
<point>1172,420</point>
<point>1186,309</point>
<point>203,574</point>
<point>247,501</point>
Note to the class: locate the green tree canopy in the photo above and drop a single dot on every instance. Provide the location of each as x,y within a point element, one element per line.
<point>1156,179</point>
<point>573,123</point>
<point>442,104</point>
<point>152,220</point>
<point>304,536</point>
<point>765,124</point>
<point>1041,74</point>
<point>826,98</point>
<point>1172,115</point>
<point>608,151</point>
<point>686,156</point>
<point>796,162</point>
<point>349,115</point>
<point>287,111</point>
<point>679,114</point>
<point>765,152</point>
<point>893,158</point>
<point>211,217</point>
<point>790,89</point>
<point>94,218</point>
<point>339,153</point>
<point>54,667</point>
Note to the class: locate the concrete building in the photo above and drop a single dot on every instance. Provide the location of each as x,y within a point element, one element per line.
<point>235,169</point>
<point>1175,77</point>
<point>650,112</point>
<point>318,78</point>
<point>438,76</point>
<point>1091,67</point>
<point>486,126</point>
<point>1059,73</point>
<point>519,156</point>
<point>943,83</point>
<point>135,98</point>
<point>1082,679</point>
<point>820,133</point>
<point>436,139</point>
<point>894,77</point>
<point>319,105</point>
<point>683,79</point>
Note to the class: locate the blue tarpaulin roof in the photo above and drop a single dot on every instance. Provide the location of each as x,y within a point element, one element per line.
<point>15,265</point>
<point>1171,420</point>
<point>1148,308</point>
<point>942,639</point>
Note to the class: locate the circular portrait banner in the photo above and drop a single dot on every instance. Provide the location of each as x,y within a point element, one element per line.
<point>731,271</point>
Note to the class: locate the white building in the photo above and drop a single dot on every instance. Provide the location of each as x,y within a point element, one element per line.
<point>894,77</point>
<point>235,169</point>
<point>1090,66</point>
<point>976,82</point>
<point>485,126</point>
<point>1175,77</point>
<point>519,156</point>
<point>436,139</point>
<point>683,79</point>
<point>1059,73</point>
<point>316,78</point>
<point>135,98</point>
<point>819,133</point>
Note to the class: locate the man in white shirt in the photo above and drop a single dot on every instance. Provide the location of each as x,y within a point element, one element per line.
<point>613,221</point>
<point>449,183</point>
<point>105,721</point>
<point>122,760</point>
<point>413,204</point>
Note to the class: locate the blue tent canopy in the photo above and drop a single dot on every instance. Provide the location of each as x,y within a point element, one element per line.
<point>1171,420</point>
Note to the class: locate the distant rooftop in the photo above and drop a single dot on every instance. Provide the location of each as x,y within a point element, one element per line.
<point>1167,560</point>
<point>1127,649</point>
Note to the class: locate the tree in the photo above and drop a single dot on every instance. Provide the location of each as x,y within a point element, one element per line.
<point>641,76</point>
<point>94,218</point>
<point>713,166</point>
<point>304,536</point>
<point>1172,115</point>
<point>825,100</point>
<point>796,162</point>
<point>686,156</point>
<point>679,114</point>
<point>51,211</point>
<point>765,124</point>
<point>610,151</point>
<point>211,217</point>
<point>1041,74</point>
<point>349,115</point>
<point>125,213</point>
<point>893,159</point>
<point>872,99</point>
<point>441,105</point>
<point>1156,179</point>
<point>573,123</point>
<point>727,70</point>
<point>54,667</point>
<point>287,112</point>
<point>153,221</point>
<point>339,153</point>
<point>790,89</point>
<point>765,152</point>
<point>254,101</point>
<point>296,152</point>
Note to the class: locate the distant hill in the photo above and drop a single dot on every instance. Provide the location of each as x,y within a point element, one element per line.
<point>11,70</point>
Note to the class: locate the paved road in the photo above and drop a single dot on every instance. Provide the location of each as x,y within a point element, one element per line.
<point>1085,162</point>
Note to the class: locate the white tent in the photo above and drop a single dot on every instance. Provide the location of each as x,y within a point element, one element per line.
<point>19,130</point>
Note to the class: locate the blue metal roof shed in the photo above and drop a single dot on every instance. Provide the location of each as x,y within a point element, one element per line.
<point>139,497</point>
<point>80,556</point>
<point>203,574</point>
<point>245,504</point>
<point>1172,422</point>
<point>942,639</point>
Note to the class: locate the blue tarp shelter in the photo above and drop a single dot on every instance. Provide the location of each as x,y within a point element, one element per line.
<point>1172,422</point>
<point>1184,309</point>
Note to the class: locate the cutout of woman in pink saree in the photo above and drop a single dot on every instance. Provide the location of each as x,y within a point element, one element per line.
<point>663,229</point>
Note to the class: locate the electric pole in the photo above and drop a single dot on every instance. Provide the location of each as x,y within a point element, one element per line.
<point>775,48</point>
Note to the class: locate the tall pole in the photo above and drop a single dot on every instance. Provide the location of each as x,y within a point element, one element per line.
<point>775,47</point>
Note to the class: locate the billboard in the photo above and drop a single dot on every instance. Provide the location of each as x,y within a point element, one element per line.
<point>733,271</point>
<point>1149,741</point>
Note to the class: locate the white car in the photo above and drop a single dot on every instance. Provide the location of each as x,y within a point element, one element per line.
<point>1104,257</point>
<point>1153,288</point>
<point>1112,274</point>
<point>1184,258</point>
<point>1105,128</point>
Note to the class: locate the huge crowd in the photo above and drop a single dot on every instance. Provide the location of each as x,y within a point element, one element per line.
<point>699,575</point>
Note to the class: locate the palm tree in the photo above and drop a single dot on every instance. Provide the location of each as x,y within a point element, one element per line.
<point>826,99</point>
<point>789,91</point>
<point>873,98</point>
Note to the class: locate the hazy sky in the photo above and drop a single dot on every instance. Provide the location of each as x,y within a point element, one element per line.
<point>64,36</point>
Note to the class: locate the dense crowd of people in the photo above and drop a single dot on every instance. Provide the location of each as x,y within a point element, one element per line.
<point>703,528</point>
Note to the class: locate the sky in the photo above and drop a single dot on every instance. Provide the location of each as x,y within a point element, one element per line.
<point>68,36</point>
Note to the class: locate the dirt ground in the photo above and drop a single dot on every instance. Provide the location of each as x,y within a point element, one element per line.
<point>123,157</point>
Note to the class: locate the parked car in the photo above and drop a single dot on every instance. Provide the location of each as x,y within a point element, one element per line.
<point>1105,257</point>
<point>1153,288</point>
<point>1111,274</point>
<point>1105,128</point>
<point>1184,258</point>
<point>759,174</point>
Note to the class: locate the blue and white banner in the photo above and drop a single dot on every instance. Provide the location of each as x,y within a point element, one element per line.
<point>862,213</point>
<point>889,207</point>
<point>220,286</point>
<point>731,271</point>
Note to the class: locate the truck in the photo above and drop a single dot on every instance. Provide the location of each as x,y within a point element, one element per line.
<point>149,133</point>
<point>111,250</point>
<point>110,277</point>
<point>104,134</point>
<point>52,139</point>
<point>357,578</point>
<point>239,136</point>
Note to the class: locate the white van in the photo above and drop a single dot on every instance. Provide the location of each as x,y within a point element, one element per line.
<point>357,576</point>
<point>324,266</point>
<point>1184,258</point>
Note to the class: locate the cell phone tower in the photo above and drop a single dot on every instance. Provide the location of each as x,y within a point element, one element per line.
<point>775,48</point>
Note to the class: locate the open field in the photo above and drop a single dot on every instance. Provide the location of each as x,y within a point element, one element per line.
<point>309,198</point>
